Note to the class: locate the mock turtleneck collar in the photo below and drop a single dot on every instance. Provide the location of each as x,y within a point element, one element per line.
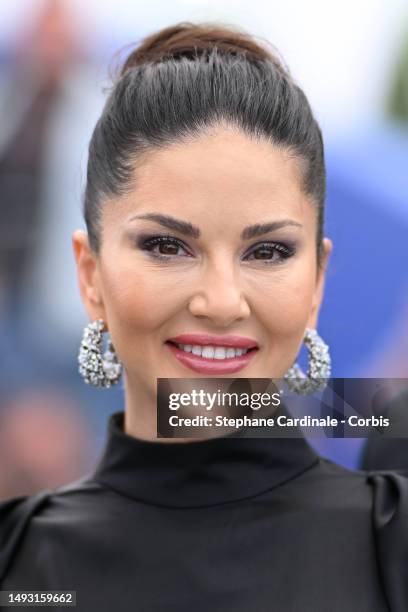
<point>199,473</point>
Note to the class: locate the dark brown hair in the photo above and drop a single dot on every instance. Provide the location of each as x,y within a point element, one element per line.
<point>183,80</point>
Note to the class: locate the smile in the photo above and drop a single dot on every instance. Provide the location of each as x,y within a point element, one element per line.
<point>209,359</point>
<point>212,352</point>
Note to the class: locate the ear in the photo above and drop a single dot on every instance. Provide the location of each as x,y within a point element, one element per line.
<point>321,275</point>
<point>88,275</point>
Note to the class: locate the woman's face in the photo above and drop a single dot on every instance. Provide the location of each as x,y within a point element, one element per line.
<point>266,287</point>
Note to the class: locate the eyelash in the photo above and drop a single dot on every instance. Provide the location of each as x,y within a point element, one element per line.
<point>284,251</point>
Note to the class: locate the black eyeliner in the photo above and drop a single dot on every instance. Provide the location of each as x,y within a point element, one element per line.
<point>147,241</point>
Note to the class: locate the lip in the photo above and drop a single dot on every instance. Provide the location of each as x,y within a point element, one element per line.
<point>204,365</point>
<point>209,340</point>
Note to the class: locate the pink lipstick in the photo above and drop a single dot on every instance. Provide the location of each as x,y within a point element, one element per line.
<point>208,365</point>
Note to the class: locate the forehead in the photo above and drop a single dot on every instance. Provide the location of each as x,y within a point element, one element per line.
<point>223,175</point>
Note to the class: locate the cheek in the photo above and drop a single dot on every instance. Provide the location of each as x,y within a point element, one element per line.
<point>287,300</point>
<point>138,301</point>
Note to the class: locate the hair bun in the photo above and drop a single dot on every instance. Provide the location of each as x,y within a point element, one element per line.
<point>191,40</point>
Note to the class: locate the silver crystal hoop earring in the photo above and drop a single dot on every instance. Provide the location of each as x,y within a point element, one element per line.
<point>319,366</point>
<point>97,369</point>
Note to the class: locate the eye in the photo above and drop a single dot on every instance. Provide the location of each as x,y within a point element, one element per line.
<point>167,246</point>
<point>272,252</point>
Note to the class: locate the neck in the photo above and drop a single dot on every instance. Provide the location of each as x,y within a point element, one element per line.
<point>140,420</point>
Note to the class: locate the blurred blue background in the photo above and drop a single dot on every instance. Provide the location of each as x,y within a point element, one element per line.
<point>350,58</point>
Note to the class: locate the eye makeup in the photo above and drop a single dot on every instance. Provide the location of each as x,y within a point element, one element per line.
<point>153,244</point>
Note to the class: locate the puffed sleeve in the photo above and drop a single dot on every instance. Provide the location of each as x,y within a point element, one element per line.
<point>390,521</point>
<point>15,514</point>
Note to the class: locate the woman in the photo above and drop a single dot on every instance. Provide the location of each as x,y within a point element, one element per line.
<point>204,213</point>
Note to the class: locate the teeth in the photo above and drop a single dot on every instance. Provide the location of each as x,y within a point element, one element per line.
<point>213,352</point>
<point>208,351</point>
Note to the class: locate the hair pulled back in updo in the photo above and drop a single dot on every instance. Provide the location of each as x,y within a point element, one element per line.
<point>183,80</point>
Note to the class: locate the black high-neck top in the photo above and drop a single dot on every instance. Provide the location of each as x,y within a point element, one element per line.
<point>236,523</point>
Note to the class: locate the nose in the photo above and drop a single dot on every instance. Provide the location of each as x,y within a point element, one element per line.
<point>220,298</point>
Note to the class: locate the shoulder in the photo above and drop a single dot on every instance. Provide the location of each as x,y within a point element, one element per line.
<point>382,496</point>
<point>19,513</point>
<point>331,485</point>
<point>390,522</point>
<point>390,506</point>
<point>386,491</point>
<point>15,513</point>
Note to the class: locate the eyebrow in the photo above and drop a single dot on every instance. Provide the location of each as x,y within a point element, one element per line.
<point>186,228</point>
